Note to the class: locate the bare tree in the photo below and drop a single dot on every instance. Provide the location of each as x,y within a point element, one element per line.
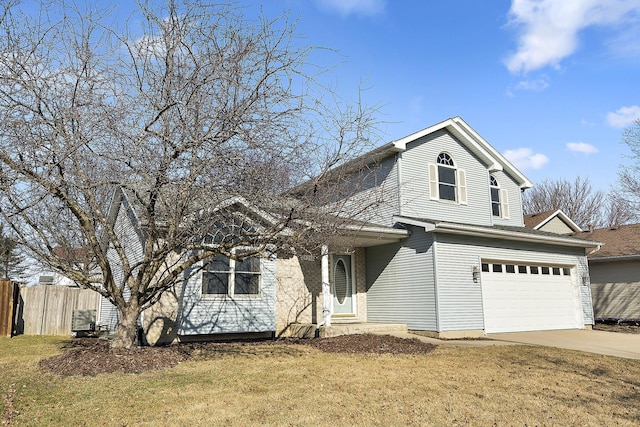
<point>579,201</point>
<point>187,108</point>
<point>629,175</point>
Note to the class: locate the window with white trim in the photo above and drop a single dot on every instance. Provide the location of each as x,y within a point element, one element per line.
<point>227,276</point>
<point>495,195</point>
<point>446,182</point>
<point>499,199</point>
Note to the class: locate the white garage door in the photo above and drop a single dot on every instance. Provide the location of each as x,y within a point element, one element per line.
<point>529,297</point>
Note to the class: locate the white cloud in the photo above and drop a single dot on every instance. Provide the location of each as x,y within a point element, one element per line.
<point>524,158</point>
<point>581,147</point>
<point>537,85</point>
<point>357,7</point>
<point>549,28</point>
<point>624,116</point>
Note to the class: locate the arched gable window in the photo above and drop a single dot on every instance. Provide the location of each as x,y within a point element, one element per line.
<point>446,177</point>
<point>446,181</point>
<point>495,196</point>
<point>499,199</point>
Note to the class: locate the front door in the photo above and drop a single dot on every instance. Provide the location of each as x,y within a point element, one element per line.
<point>342,286</point>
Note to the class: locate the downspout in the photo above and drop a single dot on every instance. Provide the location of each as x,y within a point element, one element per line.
<point>326,288</point>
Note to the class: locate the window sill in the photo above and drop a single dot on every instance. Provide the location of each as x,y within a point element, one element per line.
<point>227,297</point>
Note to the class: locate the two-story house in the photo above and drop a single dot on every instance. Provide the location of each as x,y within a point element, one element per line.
<point>468,265</point>
<point>445,252</point>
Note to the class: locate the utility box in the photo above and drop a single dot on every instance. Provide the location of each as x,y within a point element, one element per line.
<point>83,321</point>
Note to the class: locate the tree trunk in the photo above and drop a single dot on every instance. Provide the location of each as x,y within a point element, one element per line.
<point>125,334</point>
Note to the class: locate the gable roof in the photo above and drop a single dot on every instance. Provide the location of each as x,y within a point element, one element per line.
<point>459,129</point>
<point>358,233</point>
<point>538,220</point>
<point>620,243</point>
<point>472,141</point>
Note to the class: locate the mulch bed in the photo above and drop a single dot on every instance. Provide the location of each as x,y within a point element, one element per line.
<point>90,356</point>
<point>622,328</point>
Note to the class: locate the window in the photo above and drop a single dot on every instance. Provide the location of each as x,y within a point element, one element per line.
<point>497,268</point>
<point>226,276</point>
<point>533,269</point>
<point>510,268</point>
<point>566,271</point>
<point>499,199</point>
<point>485,267</point>
<point>446,177</point>
<point>522,269</point>
<point>556,271</point>
<point>545,270</point>
<point>446,182</point>
<point>495,195</point>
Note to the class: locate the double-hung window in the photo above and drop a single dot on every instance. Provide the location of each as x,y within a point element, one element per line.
<point>499,199</point>
<point>495,196</point>
<point>227,276</point>
<point>446,181</point>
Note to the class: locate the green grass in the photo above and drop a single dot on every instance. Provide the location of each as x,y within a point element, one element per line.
<point>299,386</point>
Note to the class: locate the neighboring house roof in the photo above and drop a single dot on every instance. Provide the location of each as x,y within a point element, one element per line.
<point>537,221</point>
<point>620,243</point>
<point>500,232</point>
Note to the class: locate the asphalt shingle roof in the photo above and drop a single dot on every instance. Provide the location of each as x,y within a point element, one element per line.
<point>618,241</point>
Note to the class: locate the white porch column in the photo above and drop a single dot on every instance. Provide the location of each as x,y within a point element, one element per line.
<point>327,298</point>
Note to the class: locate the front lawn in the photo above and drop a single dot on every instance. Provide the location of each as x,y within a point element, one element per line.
<point>300,385</point>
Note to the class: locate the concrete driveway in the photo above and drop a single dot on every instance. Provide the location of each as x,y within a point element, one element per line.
<point>599,342</point>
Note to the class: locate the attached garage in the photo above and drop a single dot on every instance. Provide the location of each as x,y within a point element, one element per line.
<point>530,297</point>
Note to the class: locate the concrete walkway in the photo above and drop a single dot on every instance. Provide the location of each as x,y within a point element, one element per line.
<point>599,342</point>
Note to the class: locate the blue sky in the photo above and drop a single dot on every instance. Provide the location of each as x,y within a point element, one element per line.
<point>551,83</point>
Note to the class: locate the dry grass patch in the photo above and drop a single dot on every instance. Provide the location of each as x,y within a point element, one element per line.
<point>300,385</point>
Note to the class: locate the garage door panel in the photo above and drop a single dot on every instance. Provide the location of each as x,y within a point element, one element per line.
<point>527,302</point>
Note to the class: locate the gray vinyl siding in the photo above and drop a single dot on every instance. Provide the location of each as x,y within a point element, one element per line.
<point>401,284</point>
<point>556,225</point>
<point>376,197</point>
<point>131,239</point>
<point>460,299</point>
<point>220,315</point>
<point>615,287</point>
<point>414,186</point>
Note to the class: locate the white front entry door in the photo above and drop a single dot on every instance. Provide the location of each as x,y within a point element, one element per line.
<point>530,297</point>
<point>342,287</point>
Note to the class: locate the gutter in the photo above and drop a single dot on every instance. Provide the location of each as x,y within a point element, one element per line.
<point>510,235</point>
<point>615,258</point>
<point>471,230</point>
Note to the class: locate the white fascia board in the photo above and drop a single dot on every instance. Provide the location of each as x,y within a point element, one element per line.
<point>372,229</point>
<point>242,201</point>
<point>453,126</point>
<point>475,143</point>
<point>472,140</point>
<point>470,230</point>
<point>572,225</point>
<point>523,181</point>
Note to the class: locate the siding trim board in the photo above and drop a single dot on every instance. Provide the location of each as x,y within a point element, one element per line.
<point>435,283</point>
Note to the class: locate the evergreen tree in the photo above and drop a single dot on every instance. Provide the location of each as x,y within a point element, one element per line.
<point>11,261</point>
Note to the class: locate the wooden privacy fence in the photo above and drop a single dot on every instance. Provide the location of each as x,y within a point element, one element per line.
<point>48,309</point>
<point>7,307</point>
